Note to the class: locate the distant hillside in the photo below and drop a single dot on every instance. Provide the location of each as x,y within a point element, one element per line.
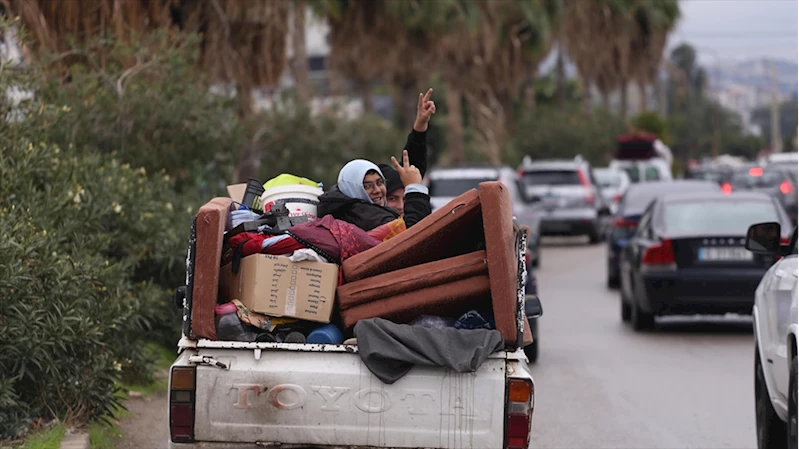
<point>755,73</point>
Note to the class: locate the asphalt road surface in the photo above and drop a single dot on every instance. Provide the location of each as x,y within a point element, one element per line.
<point>599,384</point>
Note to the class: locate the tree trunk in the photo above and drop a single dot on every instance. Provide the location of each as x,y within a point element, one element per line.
<point>454,125</point>
<point>299,63</point>
<point>623,100</point>
<point>606,100</point>
<point>560,78</point>
<point>660,93</point>
<point>245,165</point>
<point>365,88</point>
<point>410,99</point>
<point>586,96</point>
<point>529,90</point>
<point>642,100</point>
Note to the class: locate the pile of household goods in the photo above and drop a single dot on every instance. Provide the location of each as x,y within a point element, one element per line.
<point>445,292</point>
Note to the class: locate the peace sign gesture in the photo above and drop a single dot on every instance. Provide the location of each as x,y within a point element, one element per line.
<point>408,173</point>
<point>425,108</point>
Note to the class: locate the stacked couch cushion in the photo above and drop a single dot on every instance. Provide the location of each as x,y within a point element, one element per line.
<point>449,236</point>
<point>448,287</point>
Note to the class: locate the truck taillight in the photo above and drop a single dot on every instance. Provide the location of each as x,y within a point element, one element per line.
<point>519,411</point>
<point>181,403</point>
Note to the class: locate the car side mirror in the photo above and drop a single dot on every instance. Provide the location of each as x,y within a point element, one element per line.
<point>532,306</point>
<point>763,238</point>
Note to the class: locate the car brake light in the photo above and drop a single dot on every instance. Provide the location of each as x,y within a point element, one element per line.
<point>617,197</point>
<point>624,223</point>
<point>786,187</point>
<point>661,254</point>
<point>520,172</point>
<point>527,259</point>
<point>519,408</point>
<point>589,195</point>
<point>755,171</point>
<point>181,403</point>
<point>726,188</point>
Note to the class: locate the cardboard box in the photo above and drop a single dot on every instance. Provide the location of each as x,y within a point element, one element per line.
<point>276,286</point>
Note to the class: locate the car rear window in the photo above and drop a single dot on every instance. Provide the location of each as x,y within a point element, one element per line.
<point>455,186</point>
<point>717,218</point>
<point>638,198</point>
<point>755,178</point>
<point>607,178</point>
<point>552,178</point>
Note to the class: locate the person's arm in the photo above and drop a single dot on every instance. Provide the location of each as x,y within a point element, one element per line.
<point>416,145</point>
<point>417,198</point>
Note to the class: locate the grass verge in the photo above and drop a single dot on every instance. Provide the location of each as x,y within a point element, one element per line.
<point>47,438</point>
<point>106,436</point>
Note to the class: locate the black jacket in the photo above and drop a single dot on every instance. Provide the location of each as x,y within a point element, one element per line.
<point>368,216</point>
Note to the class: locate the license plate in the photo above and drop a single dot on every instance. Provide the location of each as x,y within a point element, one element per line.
<point>724,254</point>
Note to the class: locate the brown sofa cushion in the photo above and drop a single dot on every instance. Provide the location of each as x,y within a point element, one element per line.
<point>433,238</point>
<point>413,279</point>
<point>210,225</point>
<point>502,255</point>
<point>451,299</point>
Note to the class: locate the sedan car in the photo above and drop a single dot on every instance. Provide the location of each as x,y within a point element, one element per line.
<point>631,206</point>
<point>777,182</point>
<point>775,328</point>
<point>688,257</point>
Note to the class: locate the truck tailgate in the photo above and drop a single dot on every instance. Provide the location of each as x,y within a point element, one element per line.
<point>331,399</point>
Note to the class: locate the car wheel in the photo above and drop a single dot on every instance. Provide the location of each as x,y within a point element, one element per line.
<point>640,319</point>
<point>537,261</point>
<point>793,434</point>
<point>771,430</point>
<point>594,236</point>
<point>626,311</point>
<point>613,282</point>
<point>531,351</point>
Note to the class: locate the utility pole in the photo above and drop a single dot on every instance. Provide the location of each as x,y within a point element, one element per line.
<point>716,130</point>
<point>776,135</point>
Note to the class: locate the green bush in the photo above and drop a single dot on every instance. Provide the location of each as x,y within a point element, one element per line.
<point>81,237</point>
<point>292,141</point>
<point>554,133</point>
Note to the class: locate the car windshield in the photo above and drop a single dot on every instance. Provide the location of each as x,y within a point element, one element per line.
<point>552,178</point>
<point>756,178</point>
<point>607,178</point>
<point>454,186</point>
<point>717,217</point>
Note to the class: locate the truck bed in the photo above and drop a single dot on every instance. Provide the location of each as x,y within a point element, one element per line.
<point>305,395</point>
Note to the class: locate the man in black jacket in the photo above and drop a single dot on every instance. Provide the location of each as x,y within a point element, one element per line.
<point>360,195</point>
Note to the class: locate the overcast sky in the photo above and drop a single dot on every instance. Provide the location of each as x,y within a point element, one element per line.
<point>739,29</point>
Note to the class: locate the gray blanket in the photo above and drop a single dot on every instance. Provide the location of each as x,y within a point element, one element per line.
<point>390,350</point>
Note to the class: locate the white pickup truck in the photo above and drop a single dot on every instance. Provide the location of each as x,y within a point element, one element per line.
<point>225,394</point>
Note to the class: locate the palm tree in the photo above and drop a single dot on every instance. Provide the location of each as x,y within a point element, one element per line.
<point>243,42</point>
<point>654,20</point>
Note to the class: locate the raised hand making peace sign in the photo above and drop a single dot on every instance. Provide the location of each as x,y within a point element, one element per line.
<point>425,108</point>
<point>408,173</point>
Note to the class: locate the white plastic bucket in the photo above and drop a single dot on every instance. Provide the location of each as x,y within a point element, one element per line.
<point>299,199</point>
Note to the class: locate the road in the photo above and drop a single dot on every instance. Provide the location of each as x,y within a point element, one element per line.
<point>598,383</point>
<point>601,385</point>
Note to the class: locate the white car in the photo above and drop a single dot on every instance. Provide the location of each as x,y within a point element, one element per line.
<point>775,329</point>
<point>613,183</point>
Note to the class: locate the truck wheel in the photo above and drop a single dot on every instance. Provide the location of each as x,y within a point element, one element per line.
<point>641,320</point>
<point>531,351</point>
<point>793,434</point>
<point>771,430</point>
<point>613,282</point>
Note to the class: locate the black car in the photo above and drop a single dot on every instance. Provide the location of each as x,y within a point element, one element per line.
<point>631,206</point>
<point>688,257</point>
<point>778,182</point>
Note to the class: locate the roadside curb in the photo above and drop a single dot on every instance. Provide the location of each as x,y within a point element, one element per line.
<point>79,440</point>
